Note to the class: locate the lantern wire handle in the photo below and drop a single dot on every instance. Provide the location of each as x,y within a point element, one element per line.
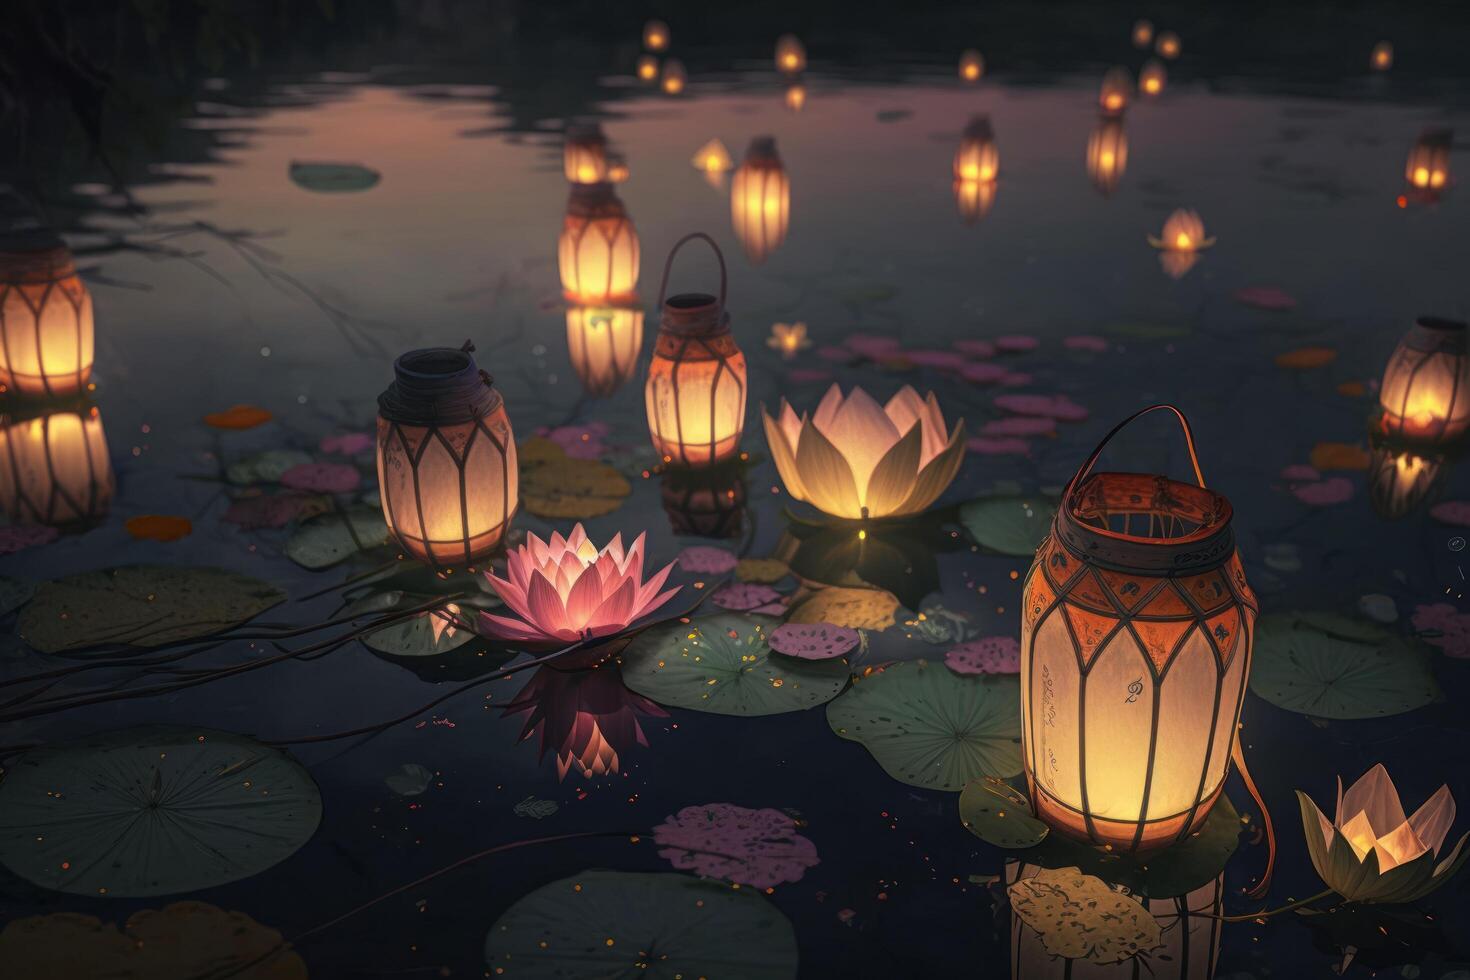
<point>1237,755</point>
<point>1183,424</point>
<point>663,287</point>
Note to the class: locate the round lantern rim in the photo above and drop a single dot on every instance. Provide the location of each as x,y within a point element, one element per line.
<point>1435,333</point>
<point>1207,546</point>
<point>37,255</point>
<point>438,386</point>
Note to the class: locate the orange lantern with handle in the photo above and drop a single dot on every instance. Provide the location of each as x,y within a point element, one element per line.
<point>46,340</point>
<point>1107,155</point>
<point>1425,394</point>
<point>760,200</point>
<point>1136,631</point>
<point>54,467</point>
<point>598,248</point>
<point>695,394</point>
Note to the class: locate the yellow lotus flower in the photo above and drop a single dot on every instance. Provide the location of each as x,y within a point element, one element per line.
<point>856,459</point>
<point>788,338</point>
<point>1371,852</point>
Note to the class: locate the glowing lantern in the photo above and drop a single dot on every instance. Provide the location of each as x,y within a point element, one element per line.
<point>447,471</point>
<point>584,155</point>
<point>712,158</point>
<point>54,468</point>
<point>1143,33</point>
<point>1112,97</point>
<point>695,393</point>
<point>1168,45</point>
<point>617,168</point>
<point>790,55</point>
<point>1152,78</point>
<point>598,249</point>
<point>972,65</point>
<point>795,96</point>
<point>1181,242</point>
<point>1136,631</point>
<point>45,319</point>
<point>1425,392</point>
<point>674,77</point>
<point>1107,155</point>
<point>977,158</point>
<point>587,717</point>
<point>1400,480</point>
<point>1428,167</point>
<point>1382,57</point>
<point>705,503</point>
<point>604,343</point>
<point>655,35</point>
<point>760,200</point>
<point>974,198</point>
<point>647,68</point>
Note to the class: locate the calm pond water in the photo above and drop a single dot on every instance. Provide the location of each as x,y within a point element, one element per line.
<point>222,278</point>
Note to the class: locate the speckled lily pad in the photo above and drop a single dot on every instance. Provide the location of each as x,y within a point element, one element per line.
<point>998,813</point>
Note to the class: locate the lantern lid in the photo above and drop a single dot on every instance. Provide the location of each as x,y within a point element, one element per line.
<point>693,314</point>
<point>438,386</point>
<point>762,152</point>
<point>979,129</point>
<point>597,200</point>
<point>1434,334</point>
<point>34,254</point>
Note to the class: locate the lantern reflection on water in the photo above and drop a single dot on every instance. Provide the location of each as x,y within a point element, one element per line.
<point>604,343</point>
<point>588,718</point>
<point>974,199</point>
<point>1152,78</point>
<point>1107,155</point>
<point>1112,97</point>
<point>46,337</point>
<point>795,96</point>
<point>972,65</point>
<point>790,55</point>
<point>1425,394</point>
<point>705,503</point>
<point>1381,58</point>
<point>760,200</point>
<point>1136,635</point>
<point>655,35</point>
<point>584,154</point>
<point>695,394</point>
<point>598,248</point>
<point>1428,166</point>
<point>54,467</point>
<point>447,467</point>
<point>1400,480</point>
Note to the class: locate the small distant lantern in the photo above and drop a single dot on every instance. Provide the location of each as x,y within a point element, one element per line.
<point>790,55</point>
<point>1152,78</point>
<point>46,341</point>
<point>712,158</point>
<point>655,35</point>
<point>1112,97</point>
<point>647,68</point>
<point>695,395</point>
<point>447,471</point>
<point>795,96</point>
<point>1107,155</point>
<point>1381,58</point>
<point>674,77</point>
<point>1181,242</point>
<point>972,65</point>
<point>760,200</point>
<point>1168,45</point>
<point>617,169</point>
<point>604,343</point>
<point>584,154</point>
<point>1400,480</point>
<point>1143,33</point>
<point>54,467</point>
<point>705,503</point>
<point>1136,632</point>
<point>1425,394</point>
<point>977,158</point>
<point>974,198</point>
<point>1428,166</point>
<point>598,248</point>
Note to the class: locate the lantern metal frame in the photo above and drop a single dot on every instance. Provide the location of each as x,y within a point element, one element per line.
<point>590,207</point>
<point>1428,341</point>
<point>36,259</point>
<point>761,176</point>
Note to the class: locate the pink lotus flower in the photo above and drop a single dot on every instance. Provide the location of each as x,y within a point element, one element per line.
<point>567,590</point>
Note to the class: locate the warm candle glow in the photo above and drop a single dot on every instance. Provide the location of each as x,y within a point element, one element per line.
<point>598,248</point>
<point>1382,57</point>
<point>1425,393</point>
<point>655,35</point>
<point>1152,78</point>
<point>1428,165</point>
<point>974,198</point>
<point>584,154</point>
<point>1143,33</point>
<point>1168,45</point>
<point>972,65</point>
<point>1107,155</point>
<point>795,96</point>
<point>54,467</point>
<point>788,338</point>
<point>674,77</point>
<point>713,157</point>
<point>1184,231</point>
<point>790,55</point>
<point>647,68</point>
<point>46,340</point>
<point>1400,480</point>
<point>1112,97</point>
<point>760,200</point>
<point>604,343</point>
<point>977,158</point>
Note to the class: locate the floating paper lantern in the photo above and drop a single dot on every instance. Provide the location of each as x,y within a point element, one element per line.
<point>1400,480</point>
<point>790,55</point>
<point>584,154</point>
<point>1425,394</point>
<point>760,200</point>
<point>1112,97</point>
<point>674,77</point>
<point>977,157</point>
<point>1181,241</point>
<point>54,467</point>
<point>1107,155</point>
<point>1428,166</point>
<point>1381,59</point>
<point>45,318</point>
<point>447,471</point>
<point>598,248</point>
<point>795,96</point>
<point>705,503</point>
<point>1168,45</point>
<point>712,158</point>
<point>1143,33</point>
<point>974,199</point>
<point>972,65</point>
<point>647,68</point>
<point>1152,78</point>
<point>655,35</point>
<point>695,395</point>
<point>1136,631</point>
<point>617,168</point>
<point>604,343</point>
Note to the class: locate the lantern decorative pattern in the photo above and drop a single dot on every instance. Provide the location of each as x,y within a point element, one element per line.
<point>1425,394</point>
<point>695,394</point>
<point>1168,45</point>
<point>1400,480</point>
<point>790,55</point>
<point>584,155</point>
<point>655,35</point>
<point>674,77</point>
<point>760,200</point>
<point>1152,78</point>
<point>447,470</point>
<point>1428,166</point>
<point>46,339</point>
<point>1136,635</point>
<point>1143,33</point>
<point>54,467</point>
<point>972,65</point>
<point>604,343</point>
<point>1381,58</point>
<point>1112,97</point>
<point>598,249</point>
<point>705,503</point>
<point>1107,155</point>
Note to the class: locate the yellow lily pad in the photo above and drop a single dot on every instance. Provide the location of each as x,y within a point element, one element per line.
<point>766,570</point>
<point>554,485</point>
<point>861,609</point>
<point>1079,917</point>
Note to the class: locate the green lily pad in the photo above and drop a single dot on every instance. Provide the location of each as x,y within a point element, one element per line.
<point>654,926</point>
<point>928,726</point>
<point>1009,525</point>
<point>426,634</point>
<point>723,665</point>
<point>1328,666</point>
<point>333,178</point>
<point>14,593</point>
<point>153,811</point>
<point>265,467</point>
<point>998,813</point>
<point>333,538</point>
<point>141,606</point>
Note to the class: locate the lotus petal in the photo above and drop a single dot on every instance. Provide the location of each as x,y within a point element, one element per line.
<point>894,477</point>
<point>784,455</point>
<point>825,475</point>
<point>936,477</point>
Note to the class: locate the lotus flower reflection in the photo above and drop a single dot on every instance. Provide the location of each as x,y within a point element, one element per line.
<point>1371,852</point>
<point>566,590</point>
<point>856,459</point>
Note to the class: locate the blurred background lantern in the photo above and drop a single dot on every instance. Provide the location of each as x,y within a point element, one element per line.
<point>447,471</point>
<point>46,338</point>
<point>598,249</point>
<point>760,200</point>
<point>54,467</point>
<point>647,68</point>
<point>655,35</point>
<point>795,96</point>
<point>1400,480</point>
<point>1112,97</point>
<point>1180,242</point>
<point>1107,155</point>
<point>790,55</point>
<point>1143,33</point>
<point>974,199</point>
<point>584,154</point>
<point>1381,58</point>
<point>1428,166</point>
<point>695,394</point>
<point>713,157</point>
<point>1136,631</point>
<point>977,157</point>
<point>706,503</point>
<point>588,718</point>
<point>617,168</point>
<point>972,65</point>
<point>1152,78</point>
<point>1425,394</point>
<point>674,77</point>
<point>1168,45</point>
<point>604,343</point>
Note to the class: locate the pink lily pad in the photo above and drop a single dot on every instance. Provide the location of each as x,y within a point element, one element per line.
<point>322,477</point>
<point>1016,343</point>
<point>1300,472</point>
<point>1335,490</point>
<point>837,355</point>
<point>873,346</point>
<point>1456,512</point>
<point>1087,342</point>
<point>772,608</point>
<point>944,360</point>
<point>971,347</point>
<point>744,596</point>
<point>18,538</point>
<point>760,848</point>
<point>991,655</point>
<point>1452,626</point>
<point>812,641</point>
<point>348,444</point>
<point>1058,407</point>
<point>990,446</point>
<point>704,559</point>
<point>1015,379</point>
<point>1266,298</point>
<point>802,376</point>
<point>1020,425</point>
<point>271,510</point>
<point>983,373</point>
<point>579,441</point>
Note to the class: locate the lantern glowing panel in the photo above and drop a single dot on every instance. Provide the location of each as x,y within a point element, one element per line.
<point>655,35</point>
<point>1381,58</point>
<point>647,68</point>
<point>674,77</point>
<point>1143,33</point>
<point>1400,480</point>
<point>977,158</point>
<point>1152,78</point>
<point>604,343</point>
<point>790,55</point>
<point>447,470</point>
<point>1136,631</point>
<point>972,65</point>
<point>46,339</point>
<point>584,155</point>
<point>1112,97</point>
<point>1428,166</point>
<point>695,394</point>
<point>1168,45</point>
<point>54,467</point>
<point>760,200</point>
<point>598,248</point>
<point>1425,394</point>
<point>1107,155</point>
